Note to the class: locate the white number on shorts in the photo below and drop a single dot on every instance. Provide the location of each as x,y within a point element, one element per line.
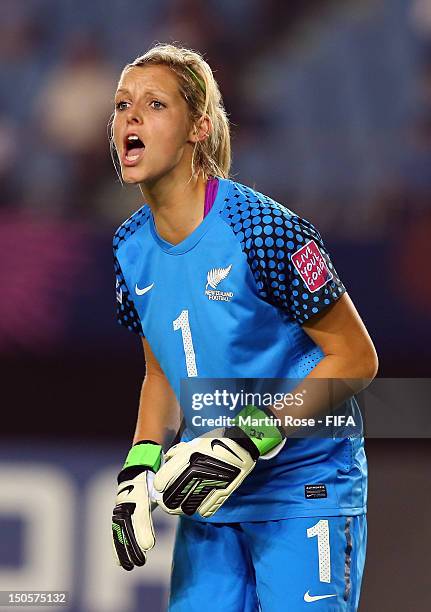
<point>321,530</point>
<point>182,322</point>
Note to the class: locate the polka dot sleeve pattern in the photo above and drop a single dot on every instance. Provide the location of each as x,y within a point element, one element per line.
<point>125,309</point>
<point>286,254</point>
<point>126,312</point>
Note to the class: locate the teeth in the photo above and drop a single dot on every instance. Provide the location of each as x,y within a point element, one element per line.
<point>133,137</point>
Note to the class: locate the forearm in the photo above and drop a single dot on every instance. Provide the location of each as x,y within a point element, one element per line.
<point>159,415</point>
<point>326,387</point>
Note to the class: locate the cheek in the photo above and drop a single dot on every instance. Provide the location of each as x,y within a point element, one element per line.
<point>174,134</point>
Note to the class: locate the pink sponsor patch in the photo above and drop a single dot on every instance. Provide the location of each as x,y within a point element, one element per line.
<point>311,265</point>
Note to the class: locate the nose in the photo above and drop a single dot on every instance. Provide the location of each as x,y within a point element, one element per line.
<point>133,116</point>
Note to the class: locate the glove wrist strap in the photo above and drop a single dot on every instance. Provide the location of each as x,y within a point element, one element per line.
<point>259,427</point>
<point>146,454</point>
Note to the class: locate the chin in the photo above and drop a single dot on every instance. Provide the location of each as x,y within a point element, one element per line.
<point>132,175</point>
<point>131,181</point>
<point>135,175</point>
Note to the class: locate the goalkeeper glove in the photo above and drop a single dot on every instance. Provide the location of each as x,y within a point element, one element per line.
<point>132,526</point>
<point>200,475</point>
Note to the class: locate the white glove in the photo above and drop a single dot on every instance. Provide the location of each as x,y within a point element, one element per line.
<point>132,525</point>
<point>200,475</point>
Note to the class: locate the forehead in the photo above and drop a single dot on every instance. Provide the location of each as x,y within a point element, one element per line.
<point>160,78</point>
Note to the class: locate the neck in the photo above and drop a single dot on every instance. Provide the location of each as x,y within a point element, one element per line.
<point>177,204</point>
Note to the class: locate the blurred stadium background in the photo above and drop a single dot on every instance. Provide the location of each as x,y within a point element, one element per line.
<point>330,103</point>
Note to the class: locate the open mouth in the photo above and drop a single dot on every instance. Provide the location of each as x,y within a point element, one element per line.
<point>134,147</point>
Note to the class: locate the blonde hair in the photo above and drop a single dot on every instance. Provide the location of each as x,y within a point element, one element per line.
<point>211,156</point>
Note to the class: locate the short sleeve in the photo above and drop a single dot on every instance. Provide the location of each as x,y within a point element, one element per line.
<point>291,265</point>
<point>126,312</point>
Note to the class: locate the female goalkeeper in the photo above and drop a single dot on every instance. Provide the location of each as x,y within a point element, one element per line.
<point>222,282</point>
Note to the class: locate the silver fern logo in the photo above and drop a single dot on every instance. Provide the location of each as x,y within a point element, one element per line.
<point>214,277</point>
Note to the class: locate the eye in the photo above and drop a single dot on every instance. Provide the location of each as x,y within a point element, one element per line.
<point>157,105</point>
<point>121,105</point>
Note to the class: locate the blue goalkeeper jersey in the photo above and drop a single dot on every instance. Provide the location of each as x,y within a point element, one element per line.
<point>228,302</point>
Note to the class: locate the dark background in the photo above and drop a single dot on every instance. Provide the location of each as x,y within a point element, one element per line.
<point>330,104</point>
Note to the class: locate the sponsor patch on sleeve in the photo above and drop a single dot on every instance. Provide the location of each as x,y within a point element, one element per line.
<point>311,266</point>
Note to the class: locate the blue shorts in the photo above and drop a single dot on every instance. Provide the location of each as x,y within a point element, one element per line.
<point>293,564</point>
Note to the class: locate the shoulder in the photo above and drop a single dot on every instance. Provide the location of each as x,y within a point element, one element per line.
<point>130,226</point>
<point>253,215</point>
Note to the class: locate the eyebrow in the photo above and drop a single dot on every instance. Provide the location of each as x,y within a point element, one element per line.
<point>150,92</point>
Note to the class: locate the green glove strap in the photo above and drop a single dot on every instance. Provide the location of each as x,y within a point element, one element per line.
<point>259,427</point>
<point>144,454</point>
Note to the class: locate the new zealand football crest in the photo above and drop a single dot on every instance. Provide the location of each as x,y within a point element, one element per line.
<point>214,277</point>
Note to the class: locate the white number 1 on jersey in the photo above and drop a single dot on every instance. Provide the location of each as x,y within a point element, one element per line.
<point>321,530</point>
<point>182,323</point>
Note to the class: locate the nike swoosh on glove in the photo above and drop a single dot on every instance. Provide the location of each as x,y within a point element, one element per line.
<point>132,525</point>
<point>200,475</point>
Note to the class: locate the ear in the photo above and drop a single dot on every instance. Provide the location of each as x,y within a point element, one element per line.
<point>201,129</point>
